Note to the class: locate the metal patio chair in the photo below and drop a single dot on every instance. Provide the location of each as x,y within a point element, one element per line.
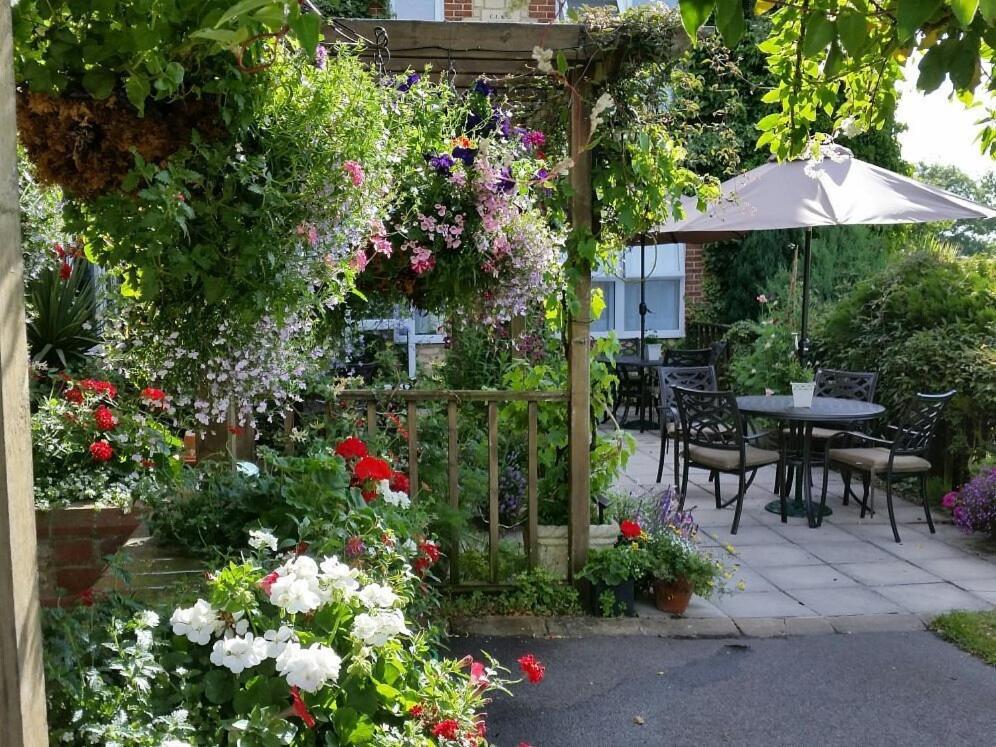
<point>700,378</point>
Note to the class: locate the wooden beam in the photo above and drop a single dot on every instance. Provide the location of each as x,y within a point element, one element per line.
<point>22,683</point>
<point>579,332</point>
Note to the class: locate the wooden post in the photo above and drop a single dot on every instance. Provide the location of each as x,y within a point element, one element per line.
<point>22,683</point>
<point>579,341</point>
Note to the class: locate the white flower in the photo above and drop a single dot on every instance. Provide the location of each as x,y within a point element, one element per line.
<point>197,623</point>
<point>393,497</point>
<point>174,743</point>
<point>239,652</point>
<point>277,640</point>
<point>849,127</point>
<point>339,575</point>
<point>377,628</point>
<point>602,105</point>
<point>143,639</point>
<point>308,668</point>
<point>295,594</point>
<point>260,538</point>
<point>375,595</point>
<point>148,618</point>
<point>544,59</point>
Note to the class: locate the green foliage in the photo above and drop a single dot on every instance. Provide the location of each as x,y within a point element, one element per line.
<point>969,236</point>
<point>611,566</point>
<point>535,592</point>
<point>669,557</point>
<point>974,632</point>
<point>926,324</point>
<point>62,328</point>
<point>41,218</point>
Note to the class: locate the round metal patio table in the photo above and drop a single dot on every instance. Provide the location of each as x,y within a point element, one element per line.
<point>802,420</point>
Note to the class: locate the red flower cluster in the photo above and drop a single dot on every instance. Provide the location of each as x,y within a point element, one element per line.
<point>532,668</point>
<point>301,708</point>
<point>101,451</point>
<point>416,711</point>
<point>630,529</point>
<point>447,729</point>
<point>73,395</point>
<point>371,468</point>
<point>428,556</point>
<point>355,546</point>
<point>104,418</point>
<point>99,386</point>
<point>400,482</point>
<point>351,448</point>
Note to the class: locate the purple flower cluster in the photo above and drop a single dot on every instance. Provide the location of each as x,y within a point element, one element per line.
<point>973,508</point>
<point>662,514</point>
<point>511,493</point>
<point>407,83</point>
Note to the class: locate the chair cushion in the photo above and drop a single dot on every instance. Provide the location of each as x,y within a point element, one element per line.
<point>729,459</point>
<point>826,433</point>
<point>876,459</point>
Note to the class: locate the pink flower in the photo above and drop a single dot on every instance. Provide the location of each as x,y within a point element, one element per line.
<point>422,260</point>
<point>478,675</point>
<point>359,261</point>
<point>950,500</point>
<point>355,172</point>
<point>762,298</point>
<point>309,231</point>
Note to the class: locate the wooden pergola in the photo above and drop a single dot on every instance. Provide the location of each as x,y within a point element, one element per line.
<point>465,51</point>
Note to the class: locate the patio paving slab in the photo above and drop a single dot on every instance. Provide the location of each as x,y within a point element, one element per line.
<point>762,604</point>
<point>932,598</point>
<point>844,552</point>
<point>959,569</point>
<point>781,554</point>
<point>808,577</point>
<point>886,573</point>
<point>747,535</point>
<point>848,601</point>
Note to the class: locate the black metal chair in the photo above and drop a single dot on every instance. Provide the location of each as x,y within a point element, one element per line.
<point>699,378</point>
<point>714,438</point>
<point>676,357</point>
<point>629,389</point>
<point>718,353</point>
<point>902,456</point>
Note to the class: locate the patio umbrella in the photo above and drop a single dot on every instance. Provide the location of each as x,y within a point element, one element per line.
<point>838,190</point>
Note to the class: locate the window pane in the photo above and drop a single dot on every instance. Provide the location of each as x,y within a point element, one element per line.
<point>663,305</point>
<point>426,324</point>
<point>607,321</point>
<point>414,10</point>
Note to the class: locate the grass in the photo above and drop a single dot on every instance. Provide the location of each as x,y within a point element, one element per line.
<point>974,632</point>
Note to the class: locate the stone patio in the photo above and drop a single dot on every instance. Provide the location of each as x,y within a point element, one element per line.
<point>846,568</point>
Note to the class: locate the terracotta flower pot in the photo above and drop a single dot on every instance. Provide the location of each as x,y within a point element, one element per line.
<point>673,596</point>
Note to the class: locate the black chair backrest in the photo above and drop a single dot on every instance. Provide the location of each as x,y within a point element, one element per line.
<point>698,357</point>
<point>718,351</point>
<point>918,421</point>
<point>710,419</point>
<point>856,385</point>
<point>700,378</point>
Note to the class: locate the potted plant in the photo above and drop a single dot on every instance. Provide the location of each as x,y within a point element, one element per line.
<point>613,573</point>
<point>678,569</point>
<point>973,506</point>
<point>803,387</point>
<point>653,345</point>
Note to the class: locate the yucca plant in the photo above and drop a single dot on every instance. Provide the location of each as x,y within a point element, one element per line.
<point>62,328</point>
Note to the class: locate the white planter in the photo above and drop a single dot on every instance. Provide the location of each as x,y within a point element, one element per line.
<point>551,540</point>
<point>653,351</point>
<point>802,394</point>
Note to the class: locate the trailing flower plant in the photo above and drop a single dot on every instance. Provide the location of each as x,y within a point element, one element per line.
<point>973,506</point>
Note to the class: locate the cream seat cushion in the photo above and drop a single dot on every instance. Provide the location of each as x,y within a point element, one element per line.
<point>729,459</point>
<point>876,459</point>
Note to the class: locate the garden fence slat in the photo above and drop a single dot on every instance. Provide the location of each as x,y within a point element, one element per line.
<point>371,419</point>
<point>532,466</point>
<point>453,473</point>
<point>413,449</point>
<point>493,490</point>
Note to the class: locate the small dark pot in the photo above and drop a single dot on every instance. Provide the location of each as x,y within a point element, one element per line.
<point>624,594</point>
<point>673,596</point>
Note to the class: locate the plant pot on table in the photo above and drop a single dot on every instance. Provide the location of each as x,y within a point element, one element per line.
<point>673,596</point>
<point>623,599</point>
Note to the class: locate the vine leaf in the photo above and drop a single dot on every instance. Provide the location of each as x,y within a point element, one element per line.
<point>820,31</point>
<point>852,28</point>
<point>730,20</point>
<point>694,13</point>
<point>913,14</point>
<point>964,10</point>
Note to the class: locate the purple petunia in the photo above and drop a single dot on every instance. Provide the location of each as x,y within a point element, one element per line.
<point>505,182</point>
<point>410,81</point>
<point>321,57</point>
<point>467,155</point>
<point>973,508</point>
<point>482,87</point>
<point>533,139</point>
<point>442,163</point>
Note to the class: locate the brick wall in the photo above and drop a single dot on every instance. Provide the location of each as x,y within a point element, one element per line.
<point>693,274</point>
<point>500,10</point>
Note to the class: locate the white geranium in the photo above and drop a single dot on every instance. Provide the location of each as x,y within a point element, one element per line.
<point>260,538</point>
<point>397,498</point>
<point>198,623</point>
<point>239,653</point>
<point>376,595</point>
<point>297,588</point>
<point>339,575</point>
<point>148,618</point>
<point>277,640</point>
<point>378,627</point>
<point>308,668</point>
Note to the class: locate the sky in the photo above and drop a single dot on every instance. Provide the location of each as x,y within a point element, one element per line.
<point>940,130</point>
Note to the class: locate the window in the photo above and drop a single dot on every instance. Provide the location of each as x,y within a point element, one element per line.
<point>418,10</point>
<point>664,270</point>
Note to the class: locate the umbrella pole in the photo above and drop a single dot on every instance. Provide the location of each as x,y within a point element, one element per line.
<point>643,294</point>
<point>807,263</point>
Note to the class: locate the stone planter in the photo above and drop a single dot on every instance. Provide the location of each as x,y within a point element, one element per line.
<point>673,596</point>
<point>551,540</point>
<point>73,543</point>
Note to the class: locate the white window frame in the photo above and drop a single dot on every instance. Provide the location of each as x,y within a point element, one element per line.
<point>402,329</point>
<point>621,279</point>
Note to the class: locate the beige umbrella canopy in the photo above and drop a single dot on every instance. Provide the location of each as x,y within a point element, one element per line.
<point>837,190</point>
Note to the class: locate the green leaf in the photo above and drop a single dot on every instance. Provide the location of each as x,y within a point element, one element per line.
<point>933,69</point>
<point>222,36</point>
<point>137,89</point>
<point>852,29</point>
<point>913,14</point>
<point>819,33</point>
<point>769,121</point>
<point>835,61</point>
<point>964,10</point>
<point>694,14</point>
<point>307,27</point>
<point>243,8</point>
<point>730,20</point>
<point>988,8</point>
<point>99,83</point>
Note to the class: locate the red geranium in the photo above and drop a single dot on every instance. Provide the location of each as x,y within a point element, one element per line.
<point>99,386</point>
<point>65,270</point>
<point>266,583</point>
<point>301,709</point>
<point>371,468</point>
<point>369,495</point>
<point>104,418</point>
<point>150,395</point>
<point>416,711</point>
<point>447,729</point>
<point>101,451</point>
<point>74,395</point>
<point>630,529</point>
<point>430,549</point>
<point>351,448</point>
<point>532,668</point>
<point>400,482</point>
